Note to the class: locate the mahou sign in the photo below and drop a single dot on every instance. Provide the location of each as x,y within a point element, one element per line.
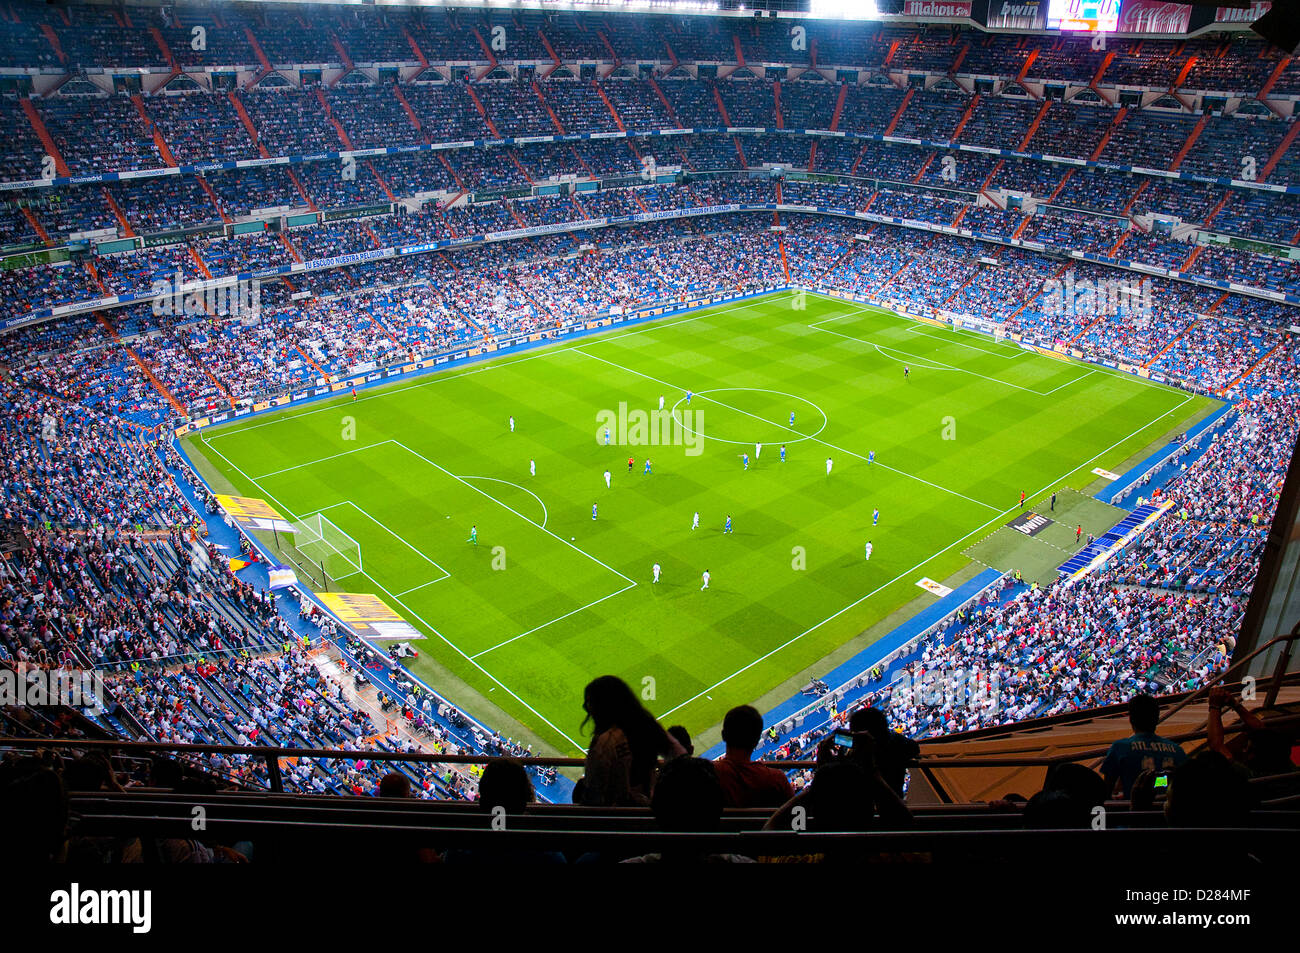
<point>937,8</point>
<point>1242,14</point>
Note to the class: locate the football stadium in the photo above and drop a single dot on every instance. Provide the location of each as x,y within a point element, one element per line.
<point>598,431</point>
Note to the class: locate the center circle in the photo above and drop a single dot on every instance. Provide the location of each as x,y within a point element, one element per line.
<point>795,437</point>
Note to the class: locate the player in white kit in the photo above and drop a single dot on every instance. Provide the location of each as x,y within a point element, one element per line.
<point>656,572</point>
<point>828,466</point>
<point>661,401</point>
<point>532,468</point>
<point>706,581</point>
<point>758,450</point>
<point>512,425</point>
<point>695,523</point>
<point>607,479</point>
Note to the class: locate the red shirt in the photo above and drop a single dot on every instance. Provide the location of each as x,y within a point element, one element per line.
<point>748,784</point>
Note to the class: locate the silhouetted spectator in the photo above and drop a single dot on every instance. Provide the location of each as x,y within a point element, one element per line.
<point>746,783</point>
<point>505,790</point>
<point>625,747</point>
<point>683,738</point>
<point>688,799</point>
<point>1207,791</point>
<point>1143,750</point>
<point>894,752</point>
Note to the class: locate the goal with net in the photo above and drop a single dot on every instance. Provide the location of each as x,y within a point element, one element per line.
<point>324,551</point>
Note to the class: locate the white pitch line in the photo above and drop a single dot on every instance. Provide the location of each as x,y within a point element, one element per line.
<point>1096,368</point>
<point>920,361</point>
<point>545,515</point>
<point>516,512</point>
<point>397,536</point>
<point>446,574</point>
<point>465,479</point>
<point>1069,383</point>
<point>436,377</point>
<point>908,572</point>
<point>312,463</point>
<point>415,615</point>
<point>925,329</point>
<point>423,585</point>
<point>704,396</point>
<point>552,621</point>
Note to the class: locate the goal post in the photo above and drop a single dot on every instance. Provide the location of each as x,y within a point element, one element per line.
<point>323,548</point>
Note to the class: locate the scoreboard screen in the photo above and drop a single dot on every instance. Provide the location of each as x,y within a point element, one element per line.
<point>1091,16</point>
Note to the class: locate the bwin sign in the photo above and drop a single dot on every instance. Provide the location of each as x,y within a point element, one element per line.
<point>651,428</point>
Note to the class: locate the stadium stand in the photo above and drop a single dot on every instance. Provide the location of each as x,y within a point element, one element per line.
<point>703,184</point>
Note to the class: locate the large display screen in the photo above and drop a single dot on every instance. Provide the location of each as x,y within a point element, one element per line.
<point>1092,16</point>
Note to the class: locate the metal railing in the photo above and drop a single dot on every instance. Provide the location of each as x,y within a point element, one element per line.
<point>1274,682</point>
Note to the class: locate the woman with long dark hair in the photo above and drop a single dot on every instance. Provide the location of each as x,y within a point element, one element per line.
<point>626,744</point>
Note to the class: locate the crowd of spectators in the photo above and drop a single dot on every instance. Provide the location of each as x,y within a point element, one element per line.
<point>111,570</point>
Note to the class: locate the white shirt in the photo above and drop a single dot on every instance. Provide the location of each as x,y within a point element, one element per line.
<point>706,578</point>
<point>656,570</point>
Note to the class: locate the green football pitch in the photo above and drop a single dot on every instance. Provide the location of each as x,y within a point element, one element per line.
<point>550,597</point>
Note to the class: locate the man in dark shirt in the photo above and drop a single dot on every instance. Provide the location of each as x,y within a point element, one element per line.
<point>1144,750</point>
<point>745,783</point>
<point>893,752</point>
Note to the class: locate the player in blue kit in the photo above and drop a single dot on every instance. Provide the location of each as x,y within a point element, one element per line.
<point>593,510</point>
<point>783,453</point>
<point>875,517</point>
<point>792,418</point>
<point>647,464</point>
<point>727,528</point>
<point>871,456</point>
<point>744,458</point>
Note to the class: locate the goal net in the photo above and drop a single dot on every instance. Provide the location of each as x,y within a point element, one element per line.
<point>324,550</point>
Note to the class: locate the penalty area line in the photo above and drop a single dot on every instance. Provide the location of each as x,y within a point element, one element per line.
<point>552,622</point>
<point>419,618</point>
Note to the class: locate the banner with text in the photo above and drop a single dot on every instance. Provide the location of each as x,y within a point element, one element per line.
<point>254,514</point>
<point>1154,16</point>
<point>368,615</point>
<point>1242,14</point>
<point>1017,14</point>
<point>946,9</point>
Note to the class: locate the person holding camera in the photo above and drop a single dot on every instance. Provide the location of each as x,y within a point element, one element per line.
<point>847,793</point>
